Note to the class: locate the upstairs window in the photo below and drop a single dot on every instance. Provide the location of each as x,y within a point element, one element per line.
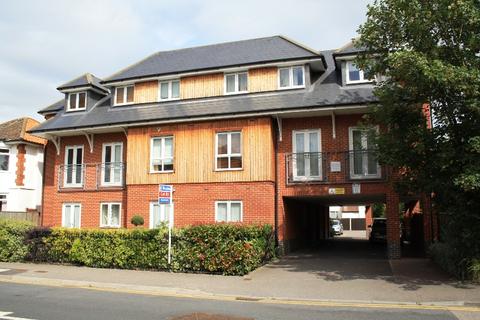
<point>170,90</point>
<point>4,159</point>
<point>354,74</point>
<point>77,101</point>
<point>236,83</point>
<point>124,95</point>
<point>291,77</point>
<point>228,151</point>
<point>161,157</point>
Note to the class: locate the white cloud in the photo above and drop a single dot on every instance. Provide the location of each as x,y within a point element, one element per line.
<point>46,43</point>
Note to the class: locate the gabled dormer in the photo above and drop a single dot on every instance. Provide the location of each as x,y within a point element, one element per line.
<point>82,93</point>
<point>350,74</point>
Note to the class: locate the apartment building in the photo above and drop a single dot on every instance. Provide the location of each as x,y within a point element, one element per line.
<point>257,131</point>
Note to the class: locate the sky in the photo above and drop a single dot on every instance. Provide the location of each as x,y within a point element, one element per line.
<point>47,43</point>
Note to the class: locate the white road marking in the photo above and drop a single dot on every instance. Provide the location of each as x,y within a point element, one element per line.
<point>5,316</point>
<point>4,270</point>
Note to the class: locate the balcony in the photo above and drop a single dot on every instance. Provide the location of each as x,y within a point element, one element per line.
<point>91,176</point>
<point>333,167</point>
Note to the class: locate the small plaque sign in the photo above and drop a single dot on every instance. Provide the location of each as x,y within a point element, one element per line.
<point>356,188</point>
<point>335,166</point>
<point>336,190</point>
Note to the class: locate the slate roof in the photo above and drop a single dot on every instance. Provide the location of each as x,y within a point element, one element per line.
<point>216,56</point>
<point>54,107</point>
<point>327,91</point>
<point>86,79</point>
<point>349,48</point>
<point>16,130</point>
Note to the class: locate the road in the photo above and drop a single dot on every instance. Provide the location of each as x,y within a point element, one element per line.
<point>20,301</point>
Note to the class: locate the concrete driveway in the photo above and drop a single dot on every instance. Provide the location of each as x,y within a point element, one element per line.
<point>354,269</point>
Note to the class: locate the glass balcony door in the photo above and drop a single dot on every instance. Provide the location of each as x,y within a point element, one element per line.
<point>73,168</point>
<point>112,166</point>
<point>306,158</point>
<point>363,159</point>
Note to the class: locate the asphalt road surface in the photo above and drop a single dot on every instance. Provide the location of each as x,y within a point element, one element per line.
<point>21,302</point>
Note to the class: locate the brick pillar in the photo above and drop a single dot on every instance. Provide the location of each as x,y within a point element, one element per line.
<point>20,173</point>
<point>426,204</point>
<point>393,226</point>
<point>368,215</point>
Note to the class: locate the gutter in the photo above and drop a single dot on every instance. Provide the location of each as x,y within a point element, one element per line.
<point>202,118</point>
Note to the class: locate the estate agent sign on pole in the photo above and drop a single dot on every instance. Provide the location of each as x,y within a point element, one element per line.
<point>165,193</point>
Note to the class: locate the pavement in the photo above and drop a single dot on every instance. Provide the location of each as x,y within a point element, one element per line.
<point>341,272</point>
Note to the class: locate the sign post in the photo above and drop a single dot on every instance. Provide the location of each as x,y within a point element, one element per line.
<point>165,193</point>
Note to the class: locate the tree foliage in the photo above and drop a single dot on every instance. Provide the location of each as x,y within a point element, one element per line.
<point>428,52</point>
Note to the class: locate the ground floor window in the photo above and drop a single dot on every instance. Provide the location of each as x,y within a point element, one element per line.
<point>110,215</point>
<point>3,202</point>
<point>228,211</point>
<point>71,215</point>
<point>159,213</point>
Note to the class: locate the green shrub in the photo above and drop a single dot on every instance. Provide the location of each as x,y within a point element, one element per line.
<point>13,247</point>
<point>220,248</point>
<point>450,260</point>
<point>137,221</point>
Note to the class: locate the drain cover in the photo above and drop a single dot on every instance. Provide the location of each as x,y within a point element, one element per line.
<point>206,316</point>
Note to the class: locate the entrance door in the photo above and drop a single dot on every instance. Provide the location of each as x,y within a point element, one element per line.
<point>307,159</point>
<point>73,175</point>
<point>363,159</point>
<point>112,166</point>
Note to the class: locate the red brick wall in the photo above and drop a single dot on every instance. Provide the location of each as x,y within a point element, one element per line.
<point>195,203</point>
<point>20,172</point>
<point>90,200</point>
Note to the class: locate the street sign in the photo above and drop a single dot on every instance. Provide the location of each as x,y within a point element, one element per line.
<point>165,194</point>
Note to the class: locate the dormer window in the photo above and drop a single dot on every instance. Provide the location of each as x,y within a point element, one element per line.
<point>124,95</point>
<point>291,77</point>
<point>236,83</point>
<point>77,101</point>
<point>354,74</point>
<point>169,90</point>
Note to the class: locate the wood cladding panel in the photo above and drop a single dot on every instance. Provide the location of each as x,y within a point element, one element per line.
<point>146,91</point>
<point>208,85</point>
<point>194,153</point>
<point>262,79</point>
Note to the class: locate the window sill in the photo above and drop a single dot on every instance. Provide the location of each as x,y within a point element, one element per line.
<point>233,169</point>
<point>358,82</point>
<point>75,110</point>
<point>234,93</point>
<point>291,88</point>
<point>166,171</point>
<point>123,104</point>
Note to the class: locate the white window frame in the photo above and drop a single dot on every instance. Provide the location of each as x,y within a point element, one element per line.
<point>74,170</point>
<point>8,157</point>
<point>155,203</point>
<point>169,90</point>
<point>320,159</point>
<point>3,201</point>
<point>229,153</point>
<point>110,204</point>
<point>360,71</point>
<point>236,82</point>
<point>124,95</point>
<point>162,138</point>
<point>290,78</point>
<point>365,156</point>
<point>229,205</point>
<point>77,101</point>
<point>79,216</point>
<point>103,168</point>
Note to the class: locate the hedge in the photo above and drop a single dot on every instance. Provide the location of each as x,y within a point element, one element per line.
<point>218,248</point>
<point>449,259</point>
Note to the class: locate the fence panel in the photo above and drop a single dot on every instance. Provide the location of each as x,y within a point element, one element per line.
<point>32,216</point>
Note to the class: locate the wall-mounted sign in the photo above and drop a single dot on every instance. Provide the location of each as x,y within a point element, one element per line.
<point>356,188</point>
<point>165,194</point>
<point>336,190</point>
<point>335,166</point>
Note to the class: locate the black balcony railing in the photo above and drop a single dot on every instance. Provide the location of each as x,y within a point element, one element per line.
<point>333,167</point>
<point>91,176</point>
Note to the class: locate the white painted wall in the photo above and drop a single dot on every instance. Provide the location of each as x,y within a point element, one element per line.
<point>336,213</point>
<point>28,196</point>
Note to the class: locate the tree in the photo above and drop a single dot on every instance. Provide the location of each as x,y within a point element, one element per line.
<point>428,53</point>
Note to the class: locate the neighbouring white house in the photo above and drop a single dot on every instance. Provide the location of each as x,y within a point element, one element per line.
<point>352,217</point>
<point>21,166</point>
